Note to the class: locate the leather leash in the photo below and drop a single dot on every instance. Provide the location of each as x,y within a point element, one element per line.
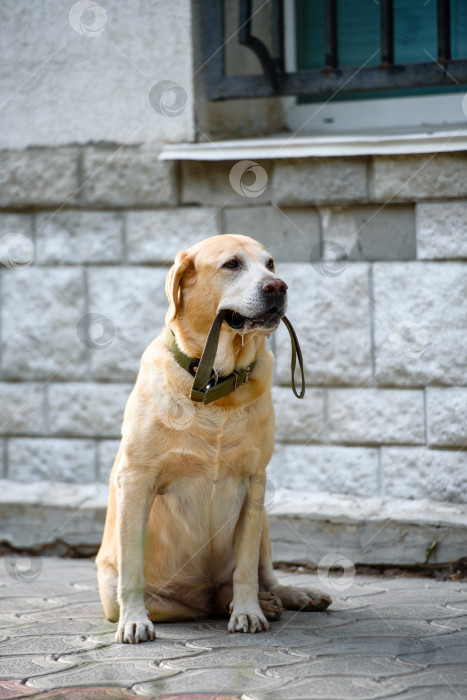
<point>207,385</point>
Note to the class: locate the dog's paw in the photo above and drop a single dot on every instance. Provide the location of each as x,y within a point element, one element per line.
<point>304,599</point>
<point>270,604</point>
<point>247,621</point>
<point>135,631</point>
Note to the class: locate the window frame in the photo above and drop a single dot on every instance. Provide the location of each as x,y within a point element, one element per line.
<point>276,80</point>
<point>410,113</point>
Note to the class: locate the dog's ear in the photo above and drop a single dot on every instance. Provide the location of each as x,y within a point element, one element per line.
<point>173,281</point>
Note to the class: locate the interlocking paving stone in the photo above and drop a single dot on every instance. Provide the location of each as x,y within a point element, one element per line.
<point>326,688</point>
<point>403,611</point>
<point>21,667</point>
<point>421,595</point>
<point>98,693</point>
<point>403,637</point>
<point>458,622</point>
<point>380,667</point>
<point>451,674</point>
<point>62,625</point>
<point>261,658</point>
<point>115,652</point>
<point>28,605</point>
<point>386,628</point>
<point>214,680</point>
<point>392,647</point>
<point>438,692</point>
<point>420,654</point>
<point>47,644</point>
<point>123,674</point>
<point>281,637</point>
<point>14,689</point>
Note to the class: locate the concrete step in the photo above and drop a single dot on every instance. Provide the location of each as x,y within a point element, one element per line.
<point>305,528</point>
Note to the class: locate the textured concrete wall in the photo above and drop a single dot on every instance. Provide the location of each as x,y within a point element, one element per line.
<point>82,72</point>
<point>371,249</point>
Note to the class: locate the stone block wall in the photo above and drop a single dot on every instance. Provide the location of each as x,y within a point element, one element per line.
<point>372,249</point>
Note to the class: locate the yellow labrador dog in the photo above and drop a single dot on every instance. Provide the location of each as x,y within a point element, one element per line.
<point>186,533</point>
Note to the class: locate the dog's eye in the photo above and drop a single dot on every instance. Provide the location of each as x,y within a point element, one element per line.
<point>270,264</point>
<point>232,264</point>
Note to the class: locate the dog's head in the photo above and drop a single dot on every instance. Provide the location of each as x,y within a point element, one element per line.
<point>231,273</point>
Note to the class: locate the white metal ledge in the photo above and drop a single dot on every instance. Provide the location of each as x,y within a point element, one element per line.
<point>288,146</point>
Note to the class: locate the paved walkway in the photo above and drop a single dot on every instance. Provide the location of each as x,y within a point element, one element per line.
<point>382,638</point>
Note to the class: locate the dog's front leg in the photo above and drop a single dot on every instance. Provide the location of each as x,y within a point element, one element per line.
<point>246,613</point>
<point>134,500</point>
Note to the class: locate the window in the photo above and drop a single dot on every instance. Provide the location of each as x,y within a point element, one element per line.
<point>341,56</point>
<point>415,40</point>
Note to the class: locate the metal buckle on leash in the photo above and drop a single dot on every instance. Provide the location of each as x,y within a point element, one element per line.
<point>236,379</point>
<point>213,379</point>
<point>193,367</point>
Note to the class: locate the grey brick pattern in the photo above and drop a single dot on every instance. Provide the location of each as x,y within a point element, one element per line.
<point>415,472</point>
<point>38,176</point>
<point>299,421</point>
<point>417,177</point>
<point>447,416</point>
<point>420,323</point>
<point>41,308</point>
<point>442,230</point>
<point>371,232</point>
<point>87,409</point>
<point>319,181</point>
<point>77,237</point>
<point>209,184</point>
<point>36,459</point>
<point>126,177</point>
<point>22,408</point>
<point>333,315</point>
<point>376,416</point>
<point>292,234</point>
<point>106,453</point>
<point>314,468</point>
<point>16,223</point>
<point>371,249</point>
<point>179,229</point>
<point>133,301</point>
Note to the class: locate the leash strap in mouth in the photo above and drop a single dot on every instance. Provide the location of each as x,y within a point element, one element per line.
<point>207,385</point>
<point>199,390</point>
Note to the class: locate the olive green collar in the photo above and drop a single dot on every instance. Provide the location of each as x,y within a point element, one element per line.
<point>217,387</point>
<point>207,385</point>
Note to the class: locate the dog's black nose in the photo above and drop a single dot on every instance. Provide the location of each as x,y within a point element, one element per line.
<point>274,287</point>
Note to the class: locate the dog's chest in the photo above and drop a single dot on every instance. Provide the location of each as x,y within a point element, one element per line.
<point>218,445</point>
<point>228,439</point>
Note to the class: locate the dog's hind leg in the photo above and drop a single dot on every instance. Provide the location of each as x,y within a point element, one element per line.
<point>292,597</point>
<point>161,609</point>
